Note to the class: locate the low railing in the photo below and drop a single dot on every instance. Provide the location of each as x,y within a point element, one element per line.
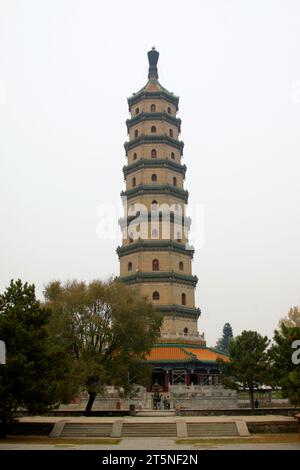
<point>191,336</point>
<point>206,390</point>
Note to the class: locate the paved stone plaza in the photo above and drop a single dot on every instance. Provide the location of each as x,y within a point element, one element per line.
<point>273,442</point>
<point>152,444</point>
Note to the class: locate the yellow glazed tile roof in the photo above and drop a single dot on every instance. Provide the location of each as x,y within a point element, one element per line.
<point>206,354</point>
<point>182,352</point>
<point>168,353</point>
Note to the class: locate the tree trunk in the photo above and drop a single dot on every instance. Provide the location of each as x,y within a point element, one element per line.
<point>251,395</point>
<point>89,405</point>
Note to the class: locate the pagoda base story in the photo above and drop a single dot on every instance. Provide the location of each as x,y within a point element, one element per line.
<point>166,377</point>
<point>183,363</point>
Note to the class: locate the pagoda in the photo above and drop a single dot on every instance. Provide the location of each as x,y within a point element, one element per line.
<point>155,256</point>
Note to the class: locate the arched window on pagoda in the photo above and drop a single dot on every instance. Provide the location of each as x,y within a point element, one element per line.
<point>153,108</point>
<point>137,110</point>
<point>183,299</point>
<point>154,205</point>
<point>153,153</point>
<point>134,156</point>
<point>173,155</point>
<point>129,266</point>
<point>181,265</point>
<point>155,265</point>
<point>186,330</point>
<point>155,295</point>
<point>133,182</point>
<point>174,181</point>
<point>154,178</point>
<point>153,129</point>
<point>171,132</point>
<point>169,110</point>
<point>136,133</point>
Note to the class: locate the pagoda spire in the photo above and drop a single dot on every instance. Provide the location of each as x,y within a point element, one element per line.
<point>153,56</point>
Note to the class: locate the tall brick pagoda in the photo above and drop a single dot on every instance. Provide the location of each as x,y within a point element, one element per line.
<point>155,255</point>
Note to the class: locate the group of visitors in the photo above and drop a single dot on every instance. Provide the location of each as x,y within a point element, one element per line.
<point>160,402</point>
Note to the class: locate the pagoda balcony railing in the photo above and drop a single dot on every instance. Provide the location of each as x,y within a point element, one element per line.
<point>156,189</point>
<point>159,276</point>
<point>161,94</point>
<point>163,116</point>
<point>197,337</point>
<point>154,163</point>
<point>179,309</point>
<point>155,245</point>
<point>156,138</point>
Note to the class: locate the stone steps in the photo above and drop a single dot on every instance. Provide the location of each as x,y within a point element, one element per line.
<point>149,430</point>
<point>175,428</point>
<point>87,430</point>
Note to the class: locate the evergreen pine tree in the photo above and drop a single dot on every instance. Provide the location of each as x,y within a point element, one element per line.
<point>33,375</point>
<point>223,342</point>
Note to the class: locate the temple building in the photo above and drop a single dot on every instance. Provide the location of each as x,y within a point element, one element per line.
<point>155,255</point>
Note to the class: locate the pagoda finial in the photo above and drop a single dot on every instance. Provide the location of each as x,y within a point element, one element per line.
<point>153,59</point>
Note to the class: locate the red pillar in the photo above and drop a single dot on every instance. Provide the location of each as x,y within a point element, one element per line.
<point>166,381</point>
<point>187,378</point>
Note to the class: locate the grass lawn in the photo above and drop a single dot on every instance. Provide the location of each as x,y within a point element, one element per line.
<point>254,439</point>
<point>59,441</point>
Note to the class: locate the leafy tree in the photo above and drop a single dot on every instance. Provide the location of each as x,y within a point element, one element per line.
<point>32,377</point>
<point>283,372</point>
<point>223,342</point>
<point>108,328</point>
<point>248,363</point>
<point>292,319</point>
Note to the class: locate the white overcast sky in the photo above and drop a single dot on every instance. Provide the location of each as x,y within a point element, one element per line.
<point>66,69</point>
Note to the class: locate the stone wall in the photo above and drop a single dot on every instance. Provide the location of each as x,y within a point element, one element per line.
<point>112,399</point>
<point>273,427</point>
<point>239,412</point>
